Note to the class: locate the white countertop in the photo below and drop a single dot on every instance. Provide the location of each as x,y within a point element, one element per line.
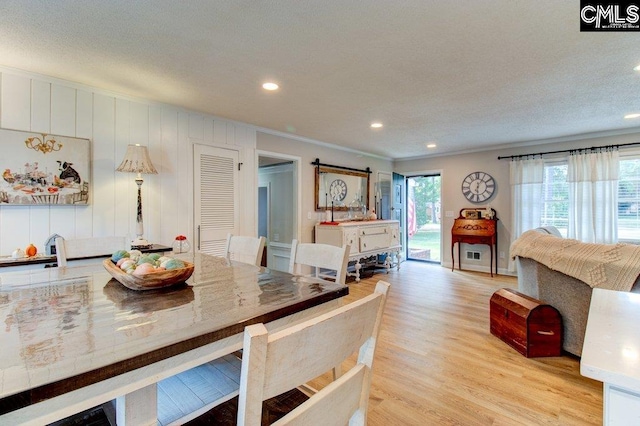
<point>611,351</point>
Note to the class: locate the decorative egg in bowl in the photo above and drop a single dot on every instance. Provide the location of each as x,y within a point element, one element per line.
<point>139,272</point>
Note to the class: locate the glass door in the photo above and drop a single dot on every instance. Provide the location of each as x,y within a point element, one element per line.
<point>398,201</point>
<point>424,236</point>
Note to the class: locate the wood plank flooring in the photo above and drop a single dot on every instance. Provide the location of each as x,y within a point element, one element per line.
<point>437,363</point>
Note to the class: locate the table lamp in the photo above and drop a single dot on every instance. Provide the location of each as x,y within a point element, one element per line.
<point>137,160</point>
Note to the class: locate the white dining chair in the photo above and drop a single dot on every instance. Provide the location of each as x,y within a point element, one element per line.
<point>88,247</point>
<point>319,257</point>
<point>245,249</point>
<point>274,363</point>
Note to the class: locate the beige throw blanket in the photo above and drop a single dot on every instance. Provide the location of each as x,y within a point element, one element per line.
<point>608,266</point>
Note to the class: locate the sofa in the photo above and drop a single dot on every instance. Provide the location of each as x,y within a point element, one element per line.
<point>570,295</point>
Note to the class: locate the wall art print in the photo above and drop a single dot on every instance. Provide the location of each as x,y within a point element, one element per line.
<point>43,169</point>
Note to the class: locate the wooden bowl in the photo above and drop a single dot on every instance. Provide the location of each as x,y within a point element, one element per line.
<point>150,281</point>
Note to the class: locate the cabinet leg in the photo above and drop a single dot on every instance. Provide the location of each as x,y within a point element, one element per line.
<point>491,261</point>
<point>358,266</point>
<point>387,262</point>
<point>453,258</point>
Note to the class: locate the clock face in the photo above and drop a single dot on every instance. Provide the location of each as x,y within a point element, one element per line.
<point>478,187</point>
<point>338,190</point>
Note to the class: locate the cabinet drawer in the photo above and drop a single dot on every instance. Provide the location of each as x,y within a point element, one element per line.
<point>351,239</point>
<point>374,230</point>
<point>395,235</point>
<point>374,242</point>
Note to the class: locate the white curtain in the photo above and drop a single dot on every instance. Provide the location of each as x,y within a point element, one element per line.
<point>526,195</point>
<point>593,196</point>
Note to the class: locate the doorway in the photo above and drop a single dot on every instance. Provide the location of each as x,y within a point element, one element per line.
<point>424,219</point>
<point>398,198</point>
<point>278,206</point>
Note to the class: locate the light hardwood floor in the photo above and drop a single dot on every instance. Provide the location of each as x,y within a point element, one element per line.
<point>438,364</point>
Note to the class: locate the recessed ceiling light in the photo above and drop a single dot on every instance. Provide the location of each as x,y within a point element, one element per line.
<point>632,115</point>
<point>431,145</point>
<point>636,68</point>
<point>376,125</point>
<point>270,86</point>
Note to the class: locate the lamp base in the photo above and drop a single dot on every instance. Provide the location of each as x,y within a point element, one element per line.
<point>140,243</point>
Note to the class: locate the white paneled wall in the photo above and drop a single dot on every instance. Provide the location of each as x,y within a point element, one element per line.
<point>37,103</point>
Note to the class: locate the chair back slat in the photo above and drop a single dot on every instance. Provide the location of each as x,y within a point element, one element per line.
<point>340,398</point>
<point>319,256</point>
<point>245,249</point>
<point>87,247</point>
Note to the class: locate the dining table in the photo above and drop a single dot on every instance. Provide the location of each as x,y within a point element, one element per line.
<point>74,338</point>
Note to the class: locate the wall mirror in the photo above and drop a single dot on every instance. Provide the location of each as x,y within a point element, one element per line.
<point>340,186</point>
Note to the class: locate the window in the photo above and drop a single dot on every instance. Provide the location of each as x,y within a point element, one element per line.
<point>629,200</point>
<point>555,206</point>
<point>555,203</point>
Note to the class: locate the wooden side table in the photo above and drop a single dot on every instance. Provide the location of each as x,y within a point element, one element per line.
<point>475,231</point>
<point>8,261</point>
<point>51,261</point>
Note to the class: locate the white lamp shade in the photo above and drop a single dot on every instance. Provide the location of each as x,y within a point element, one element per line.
<point>137,160</point>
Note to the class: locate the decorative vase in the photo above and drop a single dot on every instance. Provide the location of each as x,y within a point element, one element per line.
<point>355,209</point>
<point>181,245</point>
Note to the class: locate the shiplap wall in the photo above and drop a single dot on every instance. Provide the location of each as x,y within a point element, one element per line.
<point>42,104</point>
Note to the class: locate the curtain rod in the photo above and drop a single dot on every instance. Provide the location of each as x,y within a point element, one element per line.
<point>317,163</point>
<point>512,157</point>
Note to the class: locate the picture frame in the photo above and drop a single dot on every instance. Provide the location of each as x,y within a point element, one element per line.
<point>44,169</point>
<point>471,214</point>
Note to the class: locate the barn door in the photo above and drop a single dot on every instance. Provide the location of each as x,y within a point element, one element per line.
<point>215,197</point>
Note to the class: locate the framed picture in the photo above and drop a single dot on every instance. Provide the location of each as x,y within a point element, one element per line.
<point>471,214</point>
<point>44,169</point>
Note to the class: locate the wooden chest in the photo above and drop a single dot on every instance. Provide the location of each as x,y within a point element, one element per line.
<point>526,324</point>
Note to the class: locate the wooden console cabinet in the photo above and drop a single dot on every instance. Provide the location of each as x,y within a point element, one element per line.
<point>475,231</point>
<point>365,239</point>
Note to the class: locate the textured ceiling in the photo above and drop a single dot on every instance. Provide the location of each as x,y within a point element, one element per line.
<point>466,75</point>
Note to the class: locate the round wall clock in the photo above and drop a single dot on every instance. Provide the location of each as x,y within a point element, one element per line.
<point>478,187</point>
<point>338,190</point>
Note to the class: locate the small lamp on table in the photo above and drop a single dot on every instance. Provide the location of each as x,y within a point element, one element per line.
<point>137,160</point>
